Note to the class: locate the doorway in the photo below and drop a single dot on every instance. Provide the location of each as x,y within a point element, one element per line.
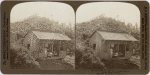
<point>121,52</point>
<point>56,48</point>
<point>28,46</point>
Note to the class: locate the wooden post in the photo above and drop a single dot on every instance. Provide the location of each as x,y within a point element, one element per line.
<point>52,46</point>
<point>118,50</point>
<point>125,47</point>
<point>125,50</point>
<point>59,48</point>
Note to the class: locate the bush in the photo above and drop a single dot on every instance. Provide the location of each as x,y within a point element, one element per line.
<point>78,56</point>
<point>19,59</point>
<point>88,60</point>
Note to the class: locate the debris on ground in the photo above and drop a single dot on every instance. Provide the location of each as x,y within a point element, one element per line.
<point>54,64</point>
<point>70,60</point>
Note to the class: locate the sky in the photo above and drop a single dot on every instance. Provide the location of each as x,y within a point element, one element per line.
<point>61,12</point>
<point>125,12</point>
<point>64,13</point>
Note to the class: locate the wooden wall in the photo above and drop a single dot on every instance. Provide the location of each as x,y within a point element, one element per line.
<point>31,39</point>
<point>96,39</point>
<point>103,47</point>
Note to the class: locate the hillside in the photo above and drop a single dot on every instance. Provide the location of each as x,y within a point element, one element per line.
<point>85,29</point>
<point>42,23</point>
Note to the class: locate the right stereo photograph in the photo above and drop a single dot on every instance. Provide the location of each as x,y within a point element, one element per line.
<point>108,36</point>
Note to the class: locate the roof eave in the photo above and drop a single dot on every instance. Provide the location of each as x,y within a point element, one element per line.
<point>121,40</point>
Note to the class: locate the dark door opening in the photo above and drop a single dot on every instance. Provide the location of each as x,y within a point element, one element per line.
<point>49,48</point>
<point>115,51</point>
<point>56,48</point>
<point>121,50</point>
<point>28,46</point>
<point>127,47</point>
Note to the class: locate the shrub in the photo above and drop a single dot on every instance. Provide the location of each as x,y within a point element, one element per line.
<point>19,59</point>
<point>88,60</point>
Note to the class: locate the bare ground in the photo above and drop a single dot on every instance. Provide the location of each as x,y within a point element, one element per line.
<point>120,64</point>
<point>53,64</point>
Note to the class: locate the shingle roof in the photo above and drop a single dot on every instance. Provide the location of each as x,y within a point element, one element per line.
<point>50,35</point>
<point>116,36</point>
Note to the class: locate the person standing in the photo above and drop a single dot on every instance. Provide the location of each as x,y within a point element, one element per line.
<point>111,52</point>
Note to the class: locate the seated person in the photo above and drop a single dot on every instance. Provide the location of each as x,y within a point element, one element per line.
<point>116,54</point>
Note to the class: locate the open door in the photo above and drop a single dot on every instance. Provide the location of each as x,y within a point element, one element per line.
<point>121,52</point>
<point>56,48</point>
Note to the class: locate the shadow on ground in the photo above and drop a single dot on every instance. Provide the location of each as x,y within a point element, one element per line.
<point>53,64</point>
<point>120,64</point>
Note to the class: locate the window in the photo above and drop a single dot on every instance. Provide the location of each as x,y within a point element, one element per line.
<point>28,46</point>
<point>94,46</point>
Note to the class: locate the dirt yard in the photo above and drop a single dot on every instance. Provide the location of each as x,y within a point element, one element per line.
<point>53,64</point>
<point>70,60</point>
<point>120,64</point>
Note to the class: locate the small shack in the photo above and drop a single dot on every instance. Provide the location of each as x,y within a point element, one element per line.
<point>109,45</point>
<point>52,44</point>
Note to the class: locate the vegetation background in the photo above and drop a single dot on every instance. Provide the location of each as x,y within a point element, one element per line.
<point>20,54</point>
<point>84,54</point>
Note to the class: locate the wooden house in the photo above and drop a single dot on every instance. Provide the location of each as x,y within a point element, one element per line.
<point>50,44</point>
<point>108,45</point>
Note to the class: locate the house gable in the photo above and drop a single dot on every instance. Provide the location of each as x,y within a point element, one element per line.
<point>31,39</point>
<point>96,40</point>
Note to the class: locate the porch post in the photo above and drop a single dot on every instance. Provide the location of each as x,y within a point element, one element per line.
<point>118,48</point>
<point>59,47</point>
<point>52,47</point>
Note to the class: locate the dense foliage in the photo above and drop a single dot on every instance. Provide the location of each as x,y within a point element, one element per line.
<point>86,29</point>
<point>85,58</point>
<point>41,23</point>
<point>19,59</point>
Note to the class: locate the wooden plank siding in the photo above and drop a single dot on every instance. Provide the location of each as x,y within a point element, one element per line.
<point>96,39</point>
<point>32,40</point>
<point>102,49</point>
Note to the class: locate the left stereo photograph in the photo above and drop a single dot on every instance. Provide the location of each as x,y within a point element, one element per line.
<point>42,36</point>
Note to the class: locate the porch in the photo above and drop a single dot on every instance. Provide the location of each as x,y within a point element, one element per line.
<point>120,51</point>
<point>53,49</point>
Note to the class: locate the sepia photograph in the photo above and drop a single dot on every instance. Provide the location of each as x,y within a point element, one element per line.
<point>108,36</point>
<point>42,36</point>
<point>74,37</point>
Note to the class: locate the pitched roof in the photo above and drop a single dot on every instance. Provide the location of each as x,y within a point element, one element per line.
<point>116,36</point>
<point>21,33</point>
<point>50,35</point>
